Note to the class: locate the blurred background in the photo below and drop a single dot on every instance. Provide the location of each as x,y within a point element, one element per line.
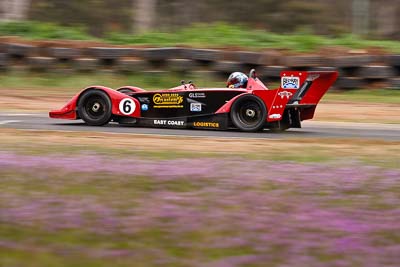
<point>372,18</point>
<point>359,38</point>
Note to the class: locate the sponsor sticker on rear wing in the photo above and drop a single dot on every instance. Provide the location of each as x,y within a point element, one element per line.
<point>291,82</point>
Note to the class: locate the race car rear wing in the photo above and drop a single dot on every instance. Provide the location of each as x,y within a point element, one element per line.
<point>299,90</point>
<point>305,99</point>
<point>313,87</point>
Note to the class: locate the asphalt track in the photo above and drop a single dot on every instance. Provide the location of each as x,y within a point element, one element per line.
<point>311,129</point>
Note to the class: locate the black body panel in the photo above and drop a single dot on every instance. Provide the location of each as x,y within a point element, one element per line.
<point>184,109</point>
<point>212,122</point>
<point>183,104</point>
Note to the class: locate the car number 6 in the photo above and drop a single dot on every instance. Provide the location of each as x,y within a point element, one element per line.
<point>127,106</point>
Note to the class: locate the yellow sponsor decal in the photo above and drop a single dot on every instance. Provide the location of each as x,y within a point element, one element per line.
<point>167,100</point>
<point>206,124</point>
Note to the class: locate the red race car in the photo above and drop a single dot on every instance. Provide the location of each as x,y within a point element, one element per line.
<point>246,104</point>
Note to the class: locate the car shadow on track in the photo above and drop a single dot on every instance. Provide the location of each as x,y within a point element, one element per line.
<point>187,131</point>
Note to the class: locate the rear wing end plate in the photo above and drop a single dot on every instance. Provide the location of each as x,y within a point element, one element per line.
<point>311,87</point>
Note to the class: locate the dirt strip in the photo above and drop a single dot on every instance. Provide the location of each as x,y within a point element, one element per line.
<point>54,141</point>
<point>358,112</point>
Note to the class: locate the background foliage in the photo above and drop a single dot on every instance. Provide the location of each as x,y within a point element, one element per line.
<point>319,16</point>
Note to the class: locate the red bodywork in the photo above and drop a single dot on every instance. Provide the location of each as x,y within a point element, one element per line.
<point>69,111</point>
<point>275,100</point>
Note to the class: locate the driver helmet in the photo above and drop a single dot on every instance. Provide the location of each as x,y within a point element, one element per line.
<point>237,80</point>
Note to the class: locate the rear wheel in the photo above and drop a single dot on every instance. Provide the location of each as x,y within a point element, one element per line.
<point>94,107</point>
<point>248,113</point>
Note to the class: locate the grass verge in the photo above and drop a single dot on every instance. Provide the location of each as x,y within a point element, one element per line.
<point>201,35</point>
<point>375,152</point>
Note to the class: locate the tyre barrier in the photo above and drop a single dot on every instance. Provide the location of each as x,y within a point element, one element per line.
<point>20,50</point>
<point>304,61</point>
<point>393,60</point>
<point>131,65</point>
<point>86,64</point>
<point>41,63</point>
<point>254,58</point>
<point>3,61</point>
<point>351,61</point>
<point>394,83</point>
<point>273,72</point>
<point>351,83</point>
<point>226,67</point>
<point>355,70</point>
<point>162,54</point>
<point>181,65</point>
<point>203,55</point>
<point>376,72</point>
<point>63,53</point>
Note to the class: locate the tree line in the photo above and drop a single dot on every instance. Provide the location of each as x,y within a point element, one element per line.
<point>374,18</point>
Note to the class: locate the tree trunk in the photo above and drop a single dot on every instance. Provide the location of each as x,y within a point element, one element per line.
<point>361,17</point>
<point>144,15</point>
<point>386,16</point>
<point>14,9</point>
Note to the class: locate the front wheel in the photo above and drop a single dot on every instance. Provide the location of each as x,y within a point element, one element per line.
<point>248,113</point>
<point>94,107</point>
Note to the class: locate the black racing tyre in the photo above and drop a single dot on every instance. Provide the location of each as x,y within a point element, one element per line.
<point>248,113</point>
<point>94,107</point>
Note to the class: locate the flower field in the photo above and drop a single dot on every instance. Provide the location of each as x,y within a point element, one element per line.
<point>92,209</point>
